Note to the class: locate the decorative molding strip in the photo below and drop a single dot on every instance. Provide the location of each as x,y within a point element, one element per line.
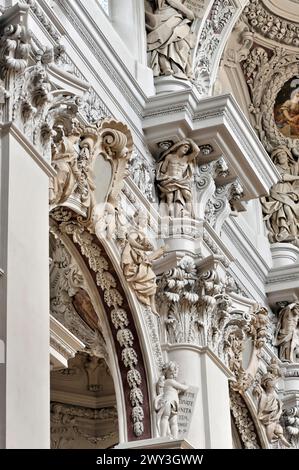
<point>271,25</point>
<point>111,69</point>
<point>123,330</point>
<point>28,147</point>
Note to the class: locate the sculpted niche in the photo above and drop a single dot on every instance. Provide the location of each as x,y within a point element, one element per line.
<point>170,38</point>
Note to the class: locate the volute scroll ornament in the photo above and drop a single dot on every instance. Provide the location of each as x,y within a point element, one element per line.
<point>14,49</point>
<point>77,154</point>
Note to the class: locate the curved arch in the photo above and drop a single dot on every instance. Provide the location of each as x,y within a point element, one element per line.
<point>129,371</point>
<point>246,422</point>
<point>146,328</point>
<point>212,39</point>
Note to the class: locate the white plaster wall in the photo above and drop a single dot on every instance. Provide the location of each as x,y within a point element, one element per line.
<point>211,424</point>
<point>246,238</point>
<point>25,314</point>
<point>216,405</point>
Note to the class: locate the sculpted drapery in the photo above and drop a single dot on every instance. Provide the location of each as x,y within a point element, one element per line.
<point>175,177</point>
<point>281,207</point>
<point>287,333</point>
<point>170,39</point>
<point>270,409</point>
<point>137,258</point>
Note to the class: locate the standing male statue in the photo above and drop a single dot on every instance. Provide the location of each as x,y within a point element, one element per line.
<point>175,178</point>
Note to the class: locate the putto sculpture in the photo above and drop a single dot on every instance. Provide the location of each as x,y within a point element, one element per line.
<point>167,400</point>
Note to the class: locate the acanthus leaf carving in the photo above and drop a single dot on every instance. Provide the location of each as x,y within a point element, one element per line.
<point>178,300</point>
<point>210,38</point>
<point>291,425</point>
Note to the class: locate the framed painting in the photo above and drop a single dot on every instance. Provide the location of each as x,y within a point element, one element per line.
<point>286,109</point>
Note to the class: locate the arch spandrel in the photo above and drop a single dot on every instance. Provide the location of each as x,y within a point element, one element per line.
<point>126,348</point>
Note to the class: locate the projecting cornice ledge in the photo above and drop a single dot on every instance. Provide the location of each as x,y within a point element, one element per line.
<point>217,121</point>
<point>283,279</point>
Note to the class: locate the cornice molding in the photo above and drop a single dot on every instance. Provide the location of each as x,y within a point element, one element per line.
<point>102,48</point>
<point>218,120</point>
<point>12,129</point>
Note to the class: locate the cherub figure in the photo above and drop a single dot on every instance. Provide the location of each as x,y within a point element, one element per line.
<point>167,400</point>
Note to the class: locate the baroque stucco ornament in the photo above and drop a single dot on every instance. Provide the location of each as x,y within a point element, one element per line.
<point>119,318</point>
<point>167,400</point>
<point>137,261</point>
<point>175,175</point>
<point>270,25</point>
<point>267,74</point>
<point>281,208</point>
<point>287,333</point>
<point>269,408</point>
<point>76,150</point>
<point>169,37</point>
